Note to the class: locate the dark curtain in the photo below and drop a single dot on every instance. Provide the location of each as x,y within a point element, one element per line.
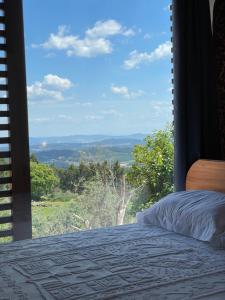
<point>195,116</point>
<point>219,43</point>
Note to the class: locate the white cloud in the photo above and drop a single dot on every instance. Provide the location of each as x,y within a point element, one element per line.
<point>108,28</point>
<point>90,47</point>
<point>147,36</point>
<point>136,58</point>
<point>167,7</point>
<point>129,32</point>
<point>37,90</point>
<point>93,117</point>
<point>50,55</point>
<point>57,82</point>
<point>84,104</point>
<point>50,88</point>
<point>120,90</point>
<point>65,117</point>
<point>162,107</point>
<point>170,89</point>
<point>95,42</point>
<point>125,92</point>
<point>41,120</point>
<point>111,112</point>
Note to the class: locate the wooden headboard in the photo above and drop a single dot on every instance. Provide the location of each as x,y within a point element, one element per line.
<point>206,175</point>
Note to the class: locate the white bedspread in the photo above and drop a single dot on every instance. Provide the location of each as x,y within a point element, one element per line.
<point>124,262</point>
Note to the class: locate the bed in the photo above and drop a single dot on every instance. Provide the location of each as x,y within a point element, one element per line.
<point>123,262</point>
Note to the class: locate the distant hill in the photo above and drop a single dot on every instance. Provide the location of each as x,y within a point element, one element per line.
<point>63,151</point>
<point>82,139</point>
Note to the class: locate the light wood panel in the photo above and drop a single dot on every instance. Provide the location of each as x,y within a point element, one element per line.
<point>206,175</point>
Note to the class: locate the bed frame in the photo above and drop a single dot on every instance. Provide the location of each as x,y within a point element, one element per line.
<point>206,175</point>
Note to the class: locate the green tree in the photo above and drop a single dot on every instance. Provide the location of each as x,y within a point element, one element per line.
<point>101,190</point>
<point>72,179</point>
<point>43,180</point>
<point>152,169</point>
<point>33,158</point>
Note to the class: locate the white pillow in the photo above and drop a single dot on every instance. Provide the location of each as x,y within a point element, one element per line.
<point>199,214</point>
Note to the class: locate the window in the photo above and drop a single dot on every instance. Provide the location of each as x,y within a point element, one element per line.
<point>99,91</point>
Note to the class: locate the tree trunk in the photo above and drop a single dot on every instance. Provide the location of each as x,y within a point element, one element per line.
<point>122,203</point>
<point>121,214</point>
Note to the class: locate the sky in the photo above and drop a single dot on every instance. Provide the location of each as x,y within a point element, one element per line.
<point>97,66</point>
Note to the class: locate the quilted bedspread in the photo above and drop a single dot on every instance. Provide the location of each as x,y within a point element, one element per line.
<point>123,262</point>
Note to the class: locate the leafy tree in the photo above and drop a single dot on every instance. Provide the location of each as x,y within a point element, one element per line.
<point>153,168</point>
<point>73,178</point>
<point>107,194</point>
<point>101,190</point>
<point>97,204</point>
<point>33,158</point>
<point>43,180</point>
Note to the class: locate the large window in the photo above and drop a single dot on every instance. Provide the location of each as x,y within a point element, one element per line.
<point>99,90</point>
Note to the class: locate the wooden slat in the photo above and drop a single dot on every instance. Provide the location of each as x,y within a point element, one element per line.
<point>6,206</point>
<point>3,87</point>
<point>2,6</point>
<point>2,19</point>
<point>3,47</point>
<point>4,113</point>
<point>4,194</point>
<point>3,74</point>
<point>4,101</point>
<point>3,60</point>
<point>5,154</point>
<point>4,127</point>
<point>7,167</point>
<point>2,33</point>
<point>5,180</point>
<point>5,140</point>
<point>206,175</point>
<point>5,220</point>
<point>21,198</point>
<point>6,233</point>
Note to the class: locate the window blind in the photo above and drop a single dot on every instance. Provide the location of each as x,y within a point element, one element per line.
<point>15,200</point>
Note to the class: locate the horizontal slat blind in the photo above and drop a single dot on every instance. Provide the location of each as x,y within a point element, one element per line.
<point>6,233</point>
<point>4,127</point>
<point>5,168</point>
<point>6,206</point>
<point>14,133</point>
<point>5,154</point>
<point>4,100</point>
<point>5,193</point>
<point>6,218</point>
<point>3,87</point>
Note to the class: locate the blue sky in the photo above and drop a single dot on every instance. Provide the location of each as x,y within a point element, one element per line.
<point>97,66</point>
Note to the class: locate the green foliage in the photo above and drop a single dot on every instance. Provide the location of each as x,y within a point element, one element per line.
<point>74,178</point>
<point>98,204</point>
<point>33,158</point>
<point>43,180</point>
<point>99,194</point>
<point>50,218</point>
<point>153,168</point>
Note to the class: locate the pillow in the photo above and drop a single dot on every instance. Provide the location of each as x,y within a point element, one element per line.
<point>199,214</point>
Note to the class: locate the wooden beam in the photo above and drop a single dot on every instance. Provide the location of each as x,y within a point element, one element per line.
<point>21,196</point>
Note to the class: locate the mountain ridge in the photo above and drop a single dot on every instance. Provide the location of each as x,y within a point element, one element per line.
<point>83,138</point>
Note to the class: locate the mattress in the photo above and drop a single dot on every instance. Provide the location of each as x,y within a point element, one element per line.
<point>123,262</point>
